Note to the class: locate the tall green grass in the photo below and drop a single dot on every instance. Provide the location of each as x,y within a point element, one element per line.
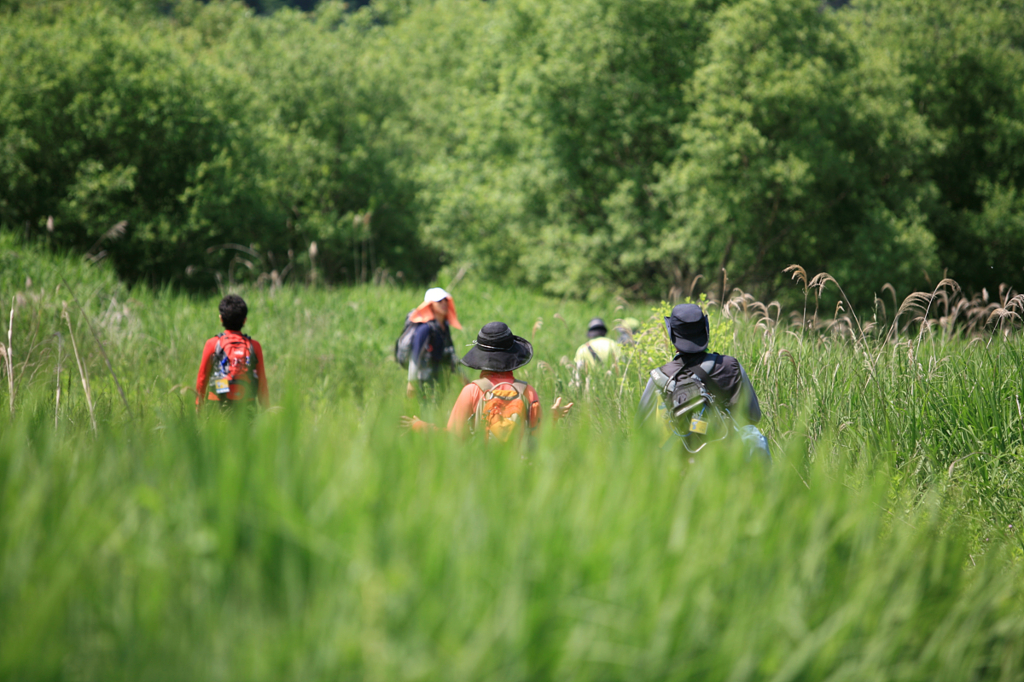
<point>319,541</point>
<point>322,344</point>
<point>291,548</point>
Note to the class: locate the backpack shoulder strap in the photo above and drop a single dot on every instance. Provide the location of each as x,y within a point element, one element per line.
<point>485,387</point>
<point>712,360</point>
<point>701,373</point>
<point>678,373</point>
<point>521,387</point>
<point>660,378</point>
<point>593,353</point>
<point>666,382</point>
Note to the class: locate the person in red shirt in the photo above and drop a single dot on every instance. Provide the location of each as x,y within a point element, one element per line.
<point>496,353</point>
<point>231,371</point>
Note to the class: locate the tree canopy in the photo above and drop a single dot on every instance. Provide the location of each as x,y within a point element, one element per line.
<point>585,147</point>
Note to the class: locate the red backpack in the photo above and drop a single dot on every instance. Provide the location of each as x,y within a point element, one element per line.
<point>234,374</point>
<point>502,411</point>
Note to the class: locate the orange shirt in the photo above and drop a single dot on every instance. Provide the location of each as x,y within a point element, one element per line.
<point>206,367</point>
<point>465,406</point>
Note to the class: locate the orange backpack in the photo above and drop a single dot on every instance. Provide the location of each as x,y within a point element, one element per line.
<point>503,410</point>
<point>234,368</point>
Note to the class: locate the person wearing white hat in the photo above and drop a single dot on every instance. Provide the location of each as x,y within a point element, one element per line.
<point>433,356</point>
<point>496,404</point>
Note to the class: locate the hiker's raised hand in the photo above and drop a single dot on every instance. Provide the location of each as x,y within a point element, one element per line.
<point>414,423</point>
<point>558,411</point>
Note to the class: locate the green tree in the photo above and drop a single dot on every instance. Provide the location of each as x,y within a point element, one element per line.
<point>339,168</point>
<point>556,117</point>
<point>799,151</point>
<point>607,96</point>
<point>963,65</point>
<point>106,121</point>
<point>204,127</point>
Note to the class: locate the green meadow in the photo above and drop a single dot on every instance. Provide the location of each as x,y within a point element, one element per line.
<point>320,541</point>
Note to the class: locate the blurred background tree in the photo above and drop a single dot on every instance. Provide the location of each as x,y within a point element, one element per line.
<point>585,148</point>
<point>800,150</point>
<point>962,65</point>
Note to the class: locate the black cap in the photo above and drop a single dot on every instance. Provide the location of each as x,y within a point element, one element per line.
<point>688,328</point>
<point>596,328</point>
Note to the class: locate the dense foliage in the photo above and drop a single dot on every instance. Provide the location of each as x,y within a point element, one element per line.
<point>585,146</point>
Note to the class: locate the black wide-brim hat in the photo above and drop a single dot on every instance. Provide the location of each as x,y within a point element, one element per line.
<point>497,349</point>
<point>688,328</point>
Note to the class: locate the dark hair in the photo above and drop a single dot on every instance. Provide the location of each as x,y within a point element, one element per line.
<point>233,312</point>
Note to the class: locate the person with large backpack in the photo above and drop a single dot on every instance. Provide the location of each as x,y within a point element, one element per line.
<point>231,371</point>
<point>497,405</point>
<point>425,345</point>
<point>703,396</point>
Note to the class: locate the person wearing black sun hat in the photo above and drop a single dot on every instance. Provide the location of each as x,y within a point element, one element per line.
<point>497,402</point>
<point>497,349</point>
<point>722,375</point>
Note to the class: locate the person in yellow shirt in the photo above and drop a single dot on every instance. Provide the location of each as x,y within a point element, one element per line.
<point>599,350</point>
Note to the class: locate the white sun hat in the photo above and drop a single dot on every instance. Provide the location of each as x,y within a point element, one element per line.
<point>435,295</point>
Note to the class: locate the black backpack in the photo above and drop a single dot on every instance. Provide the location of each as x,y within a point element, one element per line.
<point>403,346</point>
<point>439,334</point>
<point>690,405</point>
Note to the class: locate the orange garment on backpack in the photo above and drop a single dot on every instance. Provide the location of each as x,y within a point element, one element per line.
<point>471,395</point>
<point>206,368</point>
